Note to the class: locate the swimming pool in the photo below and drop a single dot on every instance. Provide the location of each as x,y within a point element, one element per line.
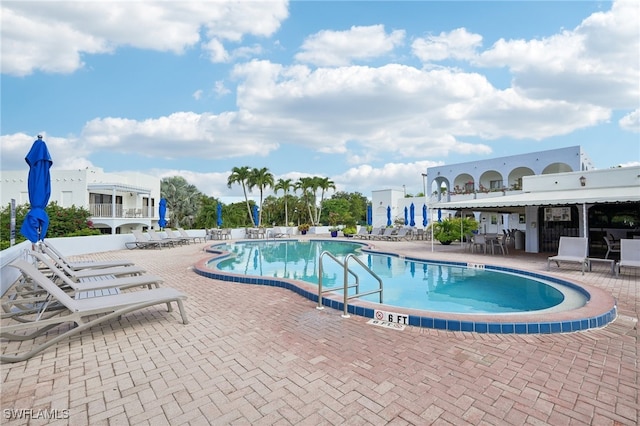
<point>455,296</point>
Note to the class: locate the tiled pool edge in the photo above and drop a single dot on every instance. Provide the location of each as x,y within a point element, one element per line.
<point>438,322</point>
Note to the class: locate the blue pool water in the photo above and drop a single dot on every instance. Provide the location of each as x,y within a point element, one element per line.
<point>407,283</point>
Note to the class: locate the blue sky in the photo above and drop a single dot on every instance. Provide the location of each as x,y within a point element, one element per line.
<point>367,93</point>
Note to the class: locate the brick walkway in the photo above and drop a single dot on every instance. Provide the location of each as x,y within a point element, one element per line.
<point>265,356</point>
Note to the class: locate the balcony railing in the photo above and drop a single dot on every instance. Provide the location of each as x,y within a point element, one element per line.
<point>106,210</point>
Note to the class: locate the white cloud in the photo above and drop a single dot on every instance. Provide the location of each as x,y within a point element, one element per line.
<point>631,121</point>
<point>52,36</point>
<point>182,134</point>
<point>66,153</point>
<point>339,48</point>
<point>197,94</point>
<point>597,63</point>
<point>457,44</point>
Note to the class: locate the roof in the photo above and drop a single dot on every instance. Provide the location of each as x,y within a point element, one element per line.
<point>546,198</point>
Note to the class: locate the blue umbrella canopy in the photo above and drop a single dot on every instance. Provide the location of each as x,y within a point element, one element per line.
<point>162,212</point>
<point>425,219</point>
<point>36,222</point>
<point>255,215</point>
<point>388,215</point>
<point>439,215</point>
<point>219,215</point>
<point>369,215</point>
<point>412,215</point>
<point>406,215</point>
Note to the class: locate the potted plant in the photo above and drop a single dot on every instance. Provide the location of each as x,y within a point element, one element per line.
<point>333,222</point>
<point>349,231</point>
<point>451,229</point>
<point>303,228</point>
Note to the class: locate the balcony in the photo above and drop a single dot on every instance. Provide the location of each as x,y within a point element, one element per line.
<point>106,210</point>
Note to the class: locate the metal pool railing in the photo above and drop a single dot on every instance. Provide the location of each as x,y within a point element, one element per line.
<point>346,286</point>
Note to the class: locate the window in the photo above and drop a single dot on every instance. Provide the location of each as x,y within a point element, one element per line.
<point>495,184</point>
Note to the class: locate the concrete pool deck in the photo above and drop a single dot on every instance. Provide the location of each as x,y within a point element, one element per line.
<point>265,355</point>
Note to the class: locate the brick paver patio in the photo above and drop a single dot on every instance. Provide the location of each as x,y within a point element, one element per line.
<point>265,356</point>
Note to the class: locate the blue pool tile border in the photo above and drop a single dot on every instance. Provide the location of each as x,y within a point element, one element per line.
<point>546,327</point>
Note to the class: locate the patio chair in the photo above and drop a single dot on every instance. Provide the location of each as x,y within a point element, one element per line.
<point>117,271</point>
<point>84,313</point>
<point>76,266</point>
<point>375,233</point>
<point>501,243</point>
<point>362,233</point>
<point>403,234</point>
<point>153,236</point>
<point>479,241</point>
<point>629,254</point>
<point>178,238</point>
<point>386,234</point>
<point>183,233</point>
<point>277,233</point>
<point>96,282</point>
<point>612,246</point>
<point>141,242</point>
<point>571,249</point>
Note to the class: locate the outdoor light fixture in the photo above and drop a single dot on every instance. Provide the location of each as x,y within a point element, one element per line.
<point>583,181</point>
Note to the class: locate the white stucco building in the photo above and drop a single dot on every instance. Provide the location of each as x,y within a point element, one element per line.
<point>118,202</point>
<point>544,194</point>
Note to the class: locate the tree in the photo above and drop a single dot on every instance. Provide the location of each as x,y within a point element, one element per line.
<point>285,185</point>
<point>63,222</point>
<point>241,175</point>
<point>183,200</point>
<point>207,214</point>
<point>324,184</point>
<point>305,185</point>
<point>261,178</point>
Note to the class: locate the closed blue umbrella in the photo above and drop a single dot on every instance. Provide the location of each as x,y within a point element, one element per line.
<point>388,215</point>
<point>219,215</point>
<point>369,215</point>
<point>439,215</point>
<point>255,215</point>
<point>36,222</point>
<point>412,215</point>
<point>162,212</point>
<point>406,215</point>
<point>425,220</point>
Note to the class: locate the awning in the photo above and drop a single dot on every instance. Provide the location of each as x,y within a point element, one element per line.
<point>118,187</point>
<point>517,202</point>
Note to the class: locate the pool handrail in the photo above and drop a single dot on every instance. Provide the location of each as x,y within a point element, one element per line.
<point>346,286</point>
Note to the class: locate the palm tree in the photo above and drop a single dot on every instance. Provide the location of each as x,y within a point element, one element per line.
<point>262,178</point>
<point>306,185</point>
<point>285,185</point>
<point>241,175</point>
<point>183,200</point>
<point>324,184</point>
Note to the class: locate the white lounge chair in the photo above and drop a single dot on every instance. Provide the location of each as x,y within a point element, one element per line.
<point>84,313</point>
<point>184,234</point>
<point>141,241</point>
<point>179,238</point>
<point>47,247</point>
<point>362,233</point>
<point>117,271</point>
<point>386,234</point>
<point>629,255</point>
<point>572,249</point>
<point>95,282</point>
<point>277,232</point>
<point>153,236</point>
<point>403,234</point>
